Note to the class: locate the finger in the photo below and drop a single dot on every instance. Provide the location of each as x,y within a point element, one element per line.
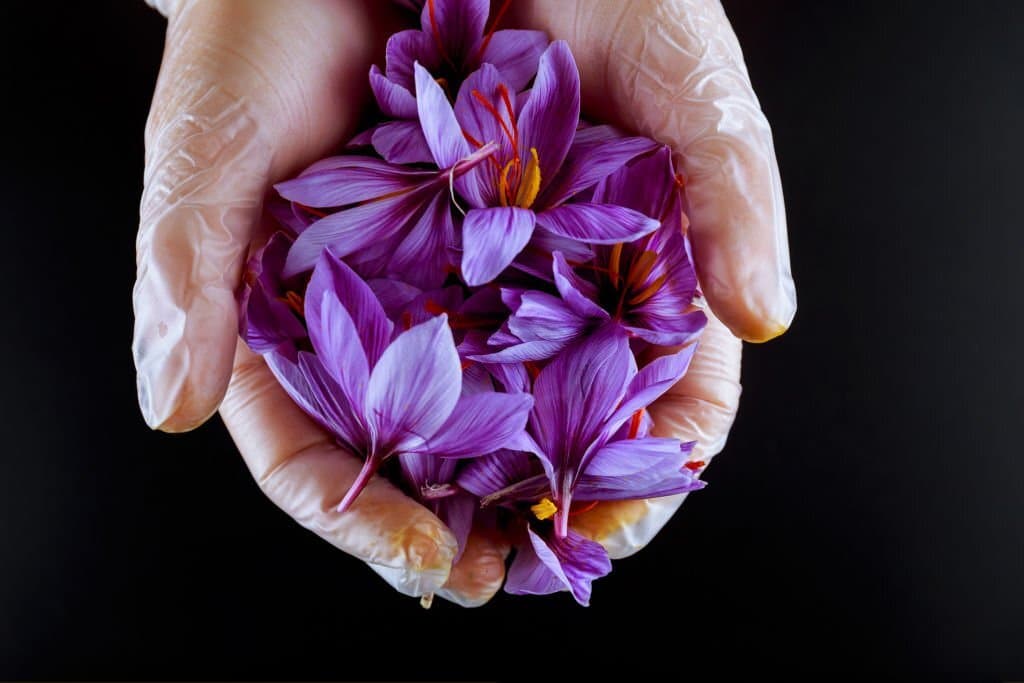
<point>673,69</point>
<point>247,92</point>
<point>479,573</point>
<point>700,407</point>
<point>299,468</point>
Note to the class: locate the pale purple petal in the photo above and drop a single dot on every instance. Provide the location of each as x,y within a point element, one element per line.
<point>441,130</point>
<point>549,118</point>
<point>543,317</point>
<point>684,328</point>
<point>516,54</point>
<point>457,513</point>
<point>653,380</point>
<point>402,142</point>
<point>394,295</point>
<point>596,223</point>
<point>333,280</point>
<point>353,229</point>
<point>395,102</point>
<point>491,238</point>
<point>637,468</point>
<point>414,386</point>
<point>586,164</point>
<point>480,424</point>
<point>535,572</point>
<point>521,353</point>
<point>335,339</point>
<point>351,180</point>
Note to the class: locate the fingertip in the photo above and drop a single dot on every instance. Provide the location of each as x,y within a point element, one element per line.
<point>479,573</point>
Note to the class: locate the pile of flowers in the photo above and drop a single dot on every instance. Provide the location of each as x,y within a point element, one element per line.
<point>466,296</point>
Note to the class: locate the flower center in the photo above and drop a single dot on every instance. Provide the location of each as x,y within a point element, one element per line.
<point>545,509</point>
<point>631,285</point>
<point>517,183</point>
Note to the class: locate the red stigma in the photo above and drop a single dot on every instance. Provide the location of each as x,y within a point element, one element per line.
<point>406,319</point>
<point>694,465</point>
<point>437,32</point>
<point>532,369</point>
<point>586,507</point>
<point>634,423</point>
<point>492,29</point>
<point>313,211</point>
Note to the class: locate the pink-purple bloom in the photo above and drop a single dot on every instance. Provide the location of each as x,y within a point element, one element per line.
<point>465,296</point>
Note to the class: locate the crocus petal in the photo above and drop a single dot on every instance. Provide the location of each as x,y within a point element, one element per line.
<point>550,116</point>
<point>333,281</point>
<point>543,317</point>
<point>353,229</point>
<point>586,164</point>
<point>491,238</point>
<point>577,293</point>
<point>336,341</point>
<point>414,386</point>
<point>515,53</point>
<point>351,180</point>
<point>596,223</point>
<point>689,325</point>
<point>402,142</point>
<point>421,258</point>
<point>457,23</point>
<point>394,295</point>
<point>576,393</point>
<point>637,468</point>
<point>522,353</point>
<point>457,513</point>
<point>574,562</point>
<point>480,424</point>
<point>441,130</point>
<point>395,102</point>
<point>403,50</point>
<point>653,380</point>
<point>480,124</point>
<point>647,185</point>
<point>491,473</point>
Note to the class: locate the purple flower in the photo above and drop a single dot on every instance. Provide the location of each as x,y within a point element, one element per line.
<point>647,286</point>
<point>392,219</point>
<point>432,481</point>
<point>383,394</point>
<point>451,45</point>
<point>583,401</point>
<point>540,162</point>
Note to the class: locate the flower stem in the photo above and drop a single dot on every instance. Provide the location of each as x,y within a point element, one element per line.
<point>368,470</point>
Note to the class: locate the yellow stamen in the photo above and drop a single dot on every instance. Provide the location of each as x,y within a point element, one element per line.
<point>613,264</point>
<point>544,509</point>
<point>503,185</point>
<point>649,292</point>
<point>641,268</point>
<point>529,184</point>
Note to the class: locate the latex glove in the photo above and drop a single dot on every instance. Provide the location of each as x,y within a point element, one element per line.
<point>249,92</point>
<point>673,70</point>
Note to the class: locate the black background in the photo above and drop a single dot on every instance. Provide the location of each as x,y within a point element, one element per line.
<point>866,515</point>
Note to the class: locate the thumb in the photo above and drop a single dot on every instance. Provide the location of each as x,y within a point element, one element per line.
<point>247,92</point>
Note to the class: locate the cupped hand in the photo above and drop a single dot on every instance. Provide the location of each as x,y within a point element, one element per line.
<point>251,92</point>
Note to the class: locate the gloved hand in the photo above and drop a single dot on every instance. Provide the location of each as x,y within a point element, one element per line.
<point>251,91</point>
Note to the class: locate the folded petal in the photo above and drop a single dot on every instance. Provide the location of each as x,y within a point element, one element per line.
<point>572,564</point>
<point>681,330</point>
<point>653,380</point>
<point>549,118</point>
<point>350,180</point>
<point>596,223</point>
<point>522,353</point>
<point>403,50</point>
<point>441,130</point>
<point>516,54</point>
<point>543,317</point>
<point>402,142</point>
<point>480,424</point>
<point>491,238</point>
<point>334,282</point>
<point>414,386</point>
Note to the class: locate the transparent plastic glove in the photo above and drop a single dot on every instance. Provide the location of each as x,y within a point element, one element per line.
<point>673,70</point>
<point>249,92</point>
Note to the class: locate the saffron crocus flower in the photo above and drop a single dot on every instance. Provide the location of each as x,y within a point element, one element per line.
<point>381,394</point>
<point>647,286</point>
<point>452,44</point>
<point>583,398</point>
<point>526,181</point>
<point>389,218</point>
